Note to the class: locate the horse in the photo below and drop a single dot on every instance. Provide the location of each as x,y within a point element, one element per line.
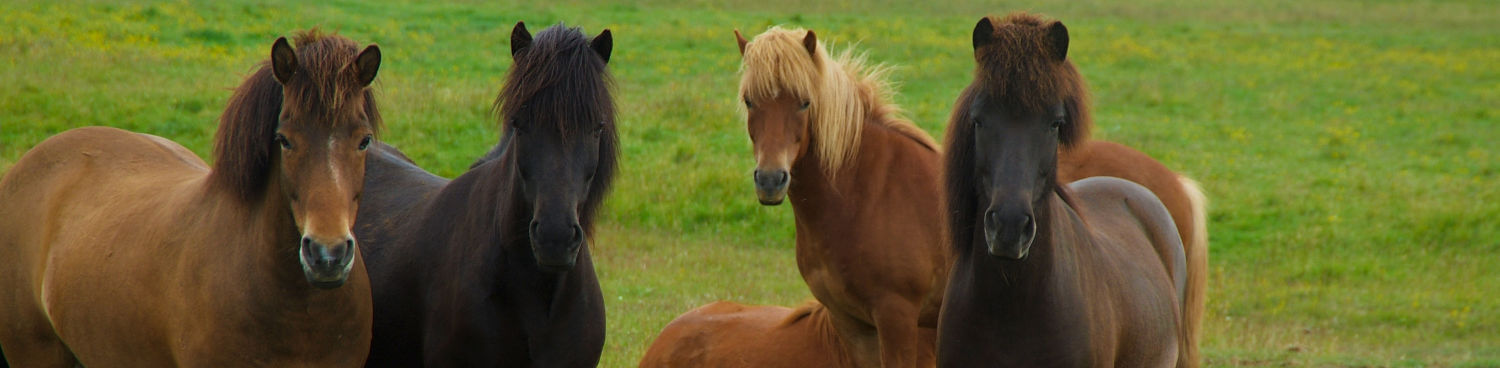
<point>493,267</point>
<point>863,183</point>
<point>127,249</point>
<point>1088,274</point>
<point>727,334</point>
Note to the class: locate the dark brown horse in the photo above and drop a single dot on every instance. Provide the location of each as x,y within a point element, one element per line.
<point>1092,274</point>
<point>493,268</point>
<point>126,249</point>
<point>863,183</point>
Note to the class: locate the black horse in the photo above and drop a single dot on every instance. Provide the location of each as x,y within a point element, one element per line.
<point>493,268</point>
<point>1047,275</point>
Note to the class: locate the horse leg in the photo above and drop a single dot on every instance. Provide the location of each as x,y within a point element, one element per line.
<point>896,325</point>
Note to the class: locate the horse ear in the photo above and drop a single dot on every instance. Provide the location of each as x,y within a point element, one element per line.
<point>1058,35</point>
<point>984,33</point>
<point>283,61</point>
<point>365,65</point>
<point>520,39</point>
<point>602,44</point>
<point>811,43</point>
<point>741,40</point>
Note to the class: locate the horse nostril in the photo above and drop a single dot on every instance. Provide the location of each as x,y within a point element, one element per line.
<point>991,219</point>
<point>1027,226</point>
<point>306,242</point>
<point>784,177</point>
<point>534,226</point>
<point>577,234</point>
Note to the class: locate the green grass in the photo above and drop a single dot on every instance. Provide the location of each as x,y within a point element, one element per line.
<point>1348,146</point>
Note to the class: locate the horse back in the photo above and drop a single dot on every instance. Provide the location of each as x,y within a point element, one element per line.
<point>85,221</point>
<point>728,334</point>
<point>396,190</point>
<point>1103,158</point>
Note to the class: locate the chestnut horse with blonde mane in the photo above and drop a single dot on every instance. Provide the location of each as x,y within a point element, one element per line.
<point>1089,274</point>
<point>126,249</point>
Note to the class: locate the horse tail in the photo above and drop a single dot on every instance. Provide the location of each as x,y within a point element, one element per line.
<point>1197,288</point>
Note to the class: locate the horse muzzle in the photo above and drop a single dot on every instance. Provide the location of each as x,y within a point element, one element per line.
<point>556,247</point>
<point>1009,236</point>
<point>326,266</point>
<point>770,186</point>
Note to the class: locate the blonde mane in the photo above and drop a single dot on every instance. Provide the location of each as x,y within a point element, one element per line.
<point>843,91</point>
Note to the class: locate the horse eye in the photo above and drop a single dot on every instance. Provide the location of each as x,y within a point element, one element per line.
<point>1058,123</point>
<point>283,142</point>
<point>805,104</point>
<point>749,105</point>
<point>599,129</point>
<point>976,122</point>
<point>364,143</point>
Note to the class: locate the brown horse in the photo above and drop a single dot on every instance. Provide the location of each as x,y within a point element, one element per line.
<point>126,249</point>
<point>863,183</point>
<point>1092,274</point>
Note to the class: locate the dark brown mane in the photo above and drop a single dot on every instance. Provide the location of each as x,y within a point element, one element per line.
<point>1018,71</point>
<point>560,80</point>
<point>244,144</point>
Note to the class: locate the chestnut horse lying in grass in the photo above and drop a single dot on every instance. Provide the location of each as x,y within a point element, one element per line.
<point>728,334</point>
<point>125,249</point>
<point>1091,274</point>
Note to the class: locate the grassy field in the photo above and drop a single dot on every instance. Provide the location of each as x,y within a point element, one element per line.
<point>1348,146</point>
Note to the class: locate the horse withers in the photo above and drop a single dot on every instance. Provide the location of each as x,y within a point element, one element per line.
<point>1091,274</point>
<point>493,267</point>
<point>126,249</point>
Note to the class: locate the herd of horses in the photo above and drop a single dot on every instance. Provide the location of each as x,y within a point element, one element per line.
<point>310,243</point>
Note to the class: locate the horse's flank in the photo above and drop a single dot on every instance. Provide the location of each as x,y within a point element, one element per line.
<point>727,334</point>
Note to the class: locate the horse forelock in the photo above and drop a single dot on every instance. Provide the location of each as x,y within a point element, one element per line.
<point>244,142</point>
<point>842,90</point>
<point>1019,71</point>
<point>324,61</point>
<point>558,79</point>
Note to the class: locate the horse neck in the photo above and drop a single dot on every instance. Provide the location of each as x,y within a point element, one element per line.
<point>494,213</point>
<point>817,197</point>
<point>273,237</point>
<point>260,279</point>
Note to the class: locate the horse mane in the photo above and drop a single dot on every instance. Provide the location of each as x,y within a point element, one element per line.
<point>559,79</point>
<point>1019,71</point>
<point>843,91</point>
<point>1016,71</point>
<point>244,144</point>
